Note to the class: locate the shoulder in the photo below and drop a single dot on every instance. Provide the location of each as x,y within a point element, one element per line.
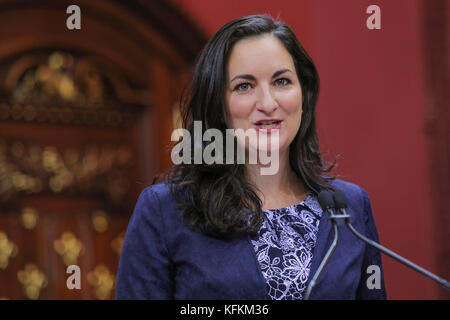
<point>150,203</point>
<point>157,204</point>
<point>357,197</point>
<point>159,194</point>
<point>350,189</point>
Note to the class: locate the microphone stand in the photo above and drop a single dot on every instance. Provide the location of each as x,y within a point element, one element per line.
<point>346,218</point>
<point>327,256</point>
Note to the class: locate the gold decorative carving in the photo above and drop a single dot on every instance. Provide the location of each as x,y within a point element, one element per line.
<point>32,280</point>
<point>7,250</point>
<point>100,221</point>
<point>69,248</point>
<point>30,218</point>
<point>98,170</point>
<point>117,243</point>
<point>102,282</point>
<point>60,87</point>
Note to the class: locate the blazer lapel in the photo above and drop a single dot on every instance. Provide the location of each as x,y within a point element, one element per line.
<point>323,242</point>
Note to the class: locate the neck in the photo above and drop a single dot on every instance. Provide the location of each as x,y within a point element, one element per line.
<point>282,189</point>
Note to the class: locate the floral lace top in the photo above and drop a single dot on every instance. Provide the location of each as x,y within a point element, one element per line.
<point>284,247</point>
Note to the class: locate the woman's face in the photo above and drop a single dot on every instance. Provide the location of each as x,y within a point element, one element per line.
<point>263,91</point>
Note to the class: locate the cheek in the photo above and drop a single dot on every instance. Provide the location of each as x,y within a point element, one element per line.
<point>292,107</point>
<point>239,109</point>
<point>292,102</point>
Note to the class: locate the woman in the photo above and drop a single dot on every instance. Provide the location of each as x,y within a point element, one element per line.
<point>227,231</point>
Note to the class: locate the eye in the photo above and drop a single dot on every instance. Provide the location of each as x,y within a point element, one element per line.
<point>243,87</point>
<point>282,82</point>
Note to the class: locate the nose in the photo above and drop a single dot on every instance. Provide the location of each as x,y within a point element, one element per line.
<point>266,101</point>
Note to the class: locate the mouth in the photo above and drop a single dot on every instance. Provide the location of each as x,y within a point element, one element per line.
<point>268,124</point>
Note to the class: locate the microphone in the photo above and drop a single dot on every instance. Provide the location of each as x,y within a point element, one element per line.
<point>327,203</point>
<point>340,201</point>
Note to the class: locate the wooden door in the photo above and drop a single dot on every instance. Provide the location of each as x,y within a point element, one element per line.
<point>85,121</point>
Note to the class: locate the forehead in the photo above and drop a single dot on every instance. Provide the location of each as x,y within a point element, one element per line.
<point>258,54</point>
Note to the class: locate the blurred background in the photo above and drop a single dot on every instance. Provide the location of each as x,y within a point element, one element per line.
<point>86,117</point>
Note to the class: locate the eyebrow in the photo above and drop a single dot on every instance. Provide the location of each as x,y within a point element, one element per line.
<point>251,77</point>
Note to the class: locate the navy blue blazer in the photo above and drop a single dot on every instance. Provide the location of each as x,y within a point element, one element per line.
<point>163,259</point>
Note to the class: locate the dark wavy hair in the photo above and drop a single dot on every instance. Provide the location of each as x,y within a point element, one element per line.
<point>216,199</point>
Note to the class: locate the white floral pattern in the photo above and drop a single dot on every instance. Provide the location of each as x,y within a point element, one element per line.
<point>284,247</point>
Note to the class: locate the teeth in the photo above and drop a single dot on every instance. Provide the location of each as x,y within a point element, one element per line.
<point>268,125</point>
